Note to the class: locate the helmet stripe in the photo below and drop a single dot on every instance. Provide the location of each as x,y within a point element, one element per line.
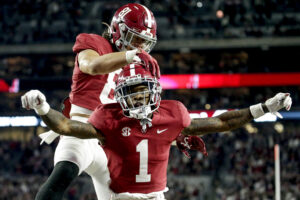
<point>149,19</point>
<point>132,69</point>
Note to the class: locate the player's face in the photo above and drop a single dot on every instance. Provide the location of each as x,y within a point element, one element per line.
<point>141,98</point>
<point>136,41</point>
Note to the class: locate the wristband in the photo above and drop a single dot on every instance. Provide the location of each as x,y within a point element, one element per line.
<point>257,110</point>
<point>130,55</point>
<point>43,110</point>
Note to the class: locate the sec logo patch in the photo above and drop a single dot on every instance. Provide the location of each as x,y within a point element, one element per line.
<point>126,131</point>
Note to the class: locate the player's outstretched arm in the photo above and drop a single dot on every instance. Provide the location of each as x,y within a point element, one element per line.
<point>234,119</point>
<point>224,122</point>
<point>55,120</point>
<point>90,62</point>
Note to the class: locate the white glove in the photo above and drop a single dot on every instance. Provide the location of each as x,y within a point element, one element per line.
<point>280,100</point>
<point>36,100</point>
<point>131,56</point>
<point>274,104</point>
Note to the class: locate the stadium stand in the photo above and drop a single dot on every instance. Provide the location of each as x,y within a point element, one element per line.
<point>231,36</point>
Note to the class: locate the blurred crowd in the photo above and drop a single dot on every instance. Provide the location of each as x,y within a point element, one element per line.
<point>35,66</point>
<point>227,98</point>
<point>242,164</point>
<point>211,99</point>
<point>239,166</point>
<point>44,21</point>
<point>52,75</point>
<point>209,61</point>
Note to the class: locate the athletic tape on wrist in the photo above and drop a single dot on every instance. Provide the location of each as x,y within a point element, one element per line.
<point>43,110</point>
<point>130,55</point>
<point>257,110</point>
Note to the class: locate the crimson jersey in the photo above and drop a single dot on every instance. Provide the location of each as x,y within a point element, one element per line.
<point>138,161</point>
<point>89,91</point>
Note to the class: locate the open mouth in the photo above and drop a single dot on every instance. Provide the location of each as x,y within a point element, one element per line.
<point>138,104</point>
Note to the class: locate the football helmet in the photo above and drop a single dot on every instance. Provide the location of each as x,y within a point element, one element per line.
<point>133,25</point>
<point>138,104</point>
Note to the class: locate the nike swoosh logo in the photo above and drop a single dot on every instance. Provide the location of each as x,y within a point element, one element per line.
<point>160,131</point>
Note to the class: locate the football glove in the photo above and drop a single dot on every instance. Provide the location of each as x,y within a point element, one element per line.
<point>185,143</point>
<point>149,62</point>
<point>279,101</point>
<point>274,104</point>
<point>36,100</point>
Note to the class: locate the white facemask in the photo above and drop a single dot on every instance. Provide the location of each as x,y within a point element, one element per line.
<point>143,115</point>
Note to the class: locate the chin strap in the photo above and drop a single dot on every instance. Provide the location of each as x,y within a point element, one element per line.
<point>142,114</point>
<point>144,122</point>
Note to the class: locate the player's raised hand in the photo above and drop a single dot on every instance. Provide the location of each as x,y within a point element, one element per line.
<point>279,101</point>
<point>185,143</point>
<point>273,105</point>
<point>149,62</point>
<point>36,100</point>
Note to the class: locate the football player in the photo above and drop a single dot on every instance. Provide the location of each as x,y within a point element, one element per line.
<point>130,37</point>
<point>139,129</point>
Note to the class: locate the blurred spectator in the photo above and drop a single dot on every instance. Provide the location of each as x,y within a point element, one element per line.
<point>212,61</point>
<point>36,21</point>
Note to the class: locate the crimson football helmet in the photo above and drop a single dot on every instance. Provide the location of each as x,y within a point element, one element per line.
<point>131,77</point>
<point>133,25</point>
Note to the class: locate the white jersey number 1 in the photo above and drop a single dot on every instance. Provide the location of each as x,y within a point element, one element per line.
<point>143,175</point>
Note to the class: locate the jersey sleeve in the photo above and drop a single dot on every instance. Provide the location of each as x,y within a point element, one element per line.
<point>185,116</point>
<point>88,41</point>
